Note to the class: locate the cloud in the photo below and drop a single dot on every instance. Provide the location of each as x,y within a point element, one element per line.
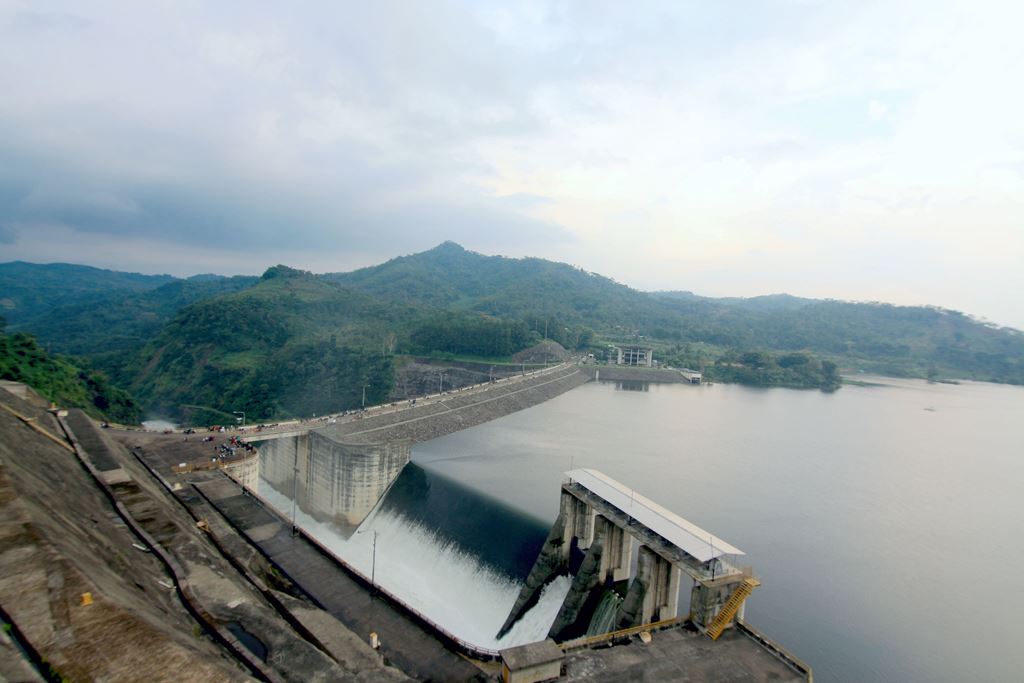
<point>264,134</point>
<point>32,20</point>
<point>713,138</point>
<point>8,233</point>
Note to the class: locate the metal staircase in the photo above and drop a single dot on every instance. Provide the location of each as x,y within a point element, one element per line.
<point>731,606</point>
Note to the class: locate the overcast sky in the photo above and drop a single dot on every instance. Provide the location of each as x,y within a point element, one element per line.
<point>861,150</point>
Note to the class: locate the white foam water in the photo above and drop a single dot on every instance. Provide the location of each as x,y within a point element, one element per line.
<point>450,587</point>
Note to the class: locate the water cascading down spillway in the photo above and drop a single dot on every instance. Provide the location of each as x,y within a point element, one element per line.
<point>456,555</point>
<point>604,616</point>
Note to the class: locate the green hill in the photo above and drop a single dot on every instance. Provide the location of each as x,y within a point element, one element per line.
<point>575,307</point>
<point>905,341</point>
<point>569,302</point>
<point>29,290</point>
<point>62,381</point>
<point>295,343</point>
<point>121,319</point>
<point>292,344</point>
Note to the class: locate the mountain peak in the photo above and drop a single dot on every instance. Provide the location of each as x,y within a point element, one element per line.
<point>449,246</point>
<point>281,271</point>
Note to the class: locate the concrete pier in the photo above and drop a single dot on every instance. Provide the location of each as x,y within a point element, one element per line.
<point>611,538</point>
<point>660,579</point>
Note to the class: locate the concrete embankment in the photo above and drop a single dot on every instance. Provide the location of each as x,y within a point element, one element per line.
<point>459,410</point>
<point>619,373</point>
<point>80,597</point>
<point>104,575</point>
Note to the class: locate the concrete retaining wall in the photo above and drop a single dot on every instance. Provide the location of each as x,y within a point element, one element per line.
<point>246,472</point>
<point>278,460</point>
<point>342,482</point>
<point>333,481</point>
<point>620,373</point>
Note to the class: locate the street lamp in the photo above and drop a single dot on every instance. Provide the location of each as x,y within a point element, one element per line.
<point>242,413</point>
<point>373,561</point>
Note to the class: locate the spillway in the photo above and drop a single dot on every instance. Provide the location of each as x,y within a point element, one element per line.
<point>457,556</point>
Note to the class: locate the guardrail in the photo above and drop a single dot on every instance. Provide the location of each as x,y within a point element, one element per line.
<point>588,641</point>
<point>307,424</point>
<point>791,660</point>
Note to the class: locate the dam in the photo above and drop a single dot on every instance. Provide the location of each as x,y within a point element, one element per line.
<point>722,457</point>
<point>458,570</point>
<point>605,566</point>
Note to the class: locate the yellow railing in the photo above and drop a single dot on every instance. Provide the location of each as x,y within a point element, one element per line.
<point>587,641</point>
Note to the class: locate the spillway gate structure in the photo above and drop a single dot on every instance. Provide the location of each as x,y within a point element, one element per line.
<point>617,543</point>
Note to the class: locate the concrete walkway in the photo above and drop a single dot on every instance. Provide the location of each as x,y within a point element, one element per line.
<point>682,656</point>
<point>410,647</point>
<point>453,405</point>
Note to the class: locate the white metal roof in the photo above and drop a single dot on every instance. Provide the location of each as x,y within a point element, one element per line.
<point>667,524</point>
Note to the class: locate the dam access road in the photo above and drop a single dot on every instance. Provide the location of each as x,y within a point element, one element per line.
<point>433,415</point>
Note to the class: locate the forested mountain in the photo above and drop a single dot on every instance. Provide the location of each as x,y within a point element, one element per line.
<point>121,319</point>
<point>291,342</point>
<point>451,277</point>
<point>29,290</point>
<point>576,308</point>
<point>914,341</point>
<point>556,300</point>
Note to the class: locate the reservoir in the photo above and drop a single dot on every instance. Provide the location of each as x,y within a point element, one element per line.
<point>883,521</point>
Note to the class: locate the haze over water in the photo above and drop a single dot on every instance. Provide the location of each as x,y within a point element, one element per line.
<point>884,522</point>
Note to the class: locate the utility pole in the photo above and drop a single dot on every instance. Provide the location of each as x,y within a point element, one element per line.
<point>714,561</point>
<point>295,490</point>
<point>373,564</point>
<point>373,561</point>
<point>440,383</point>
<point>364,397</point>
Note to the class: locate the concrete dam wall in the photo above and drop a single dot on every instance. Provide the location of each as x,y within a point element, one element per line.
<point>338,473</point>
<point>330,480</point>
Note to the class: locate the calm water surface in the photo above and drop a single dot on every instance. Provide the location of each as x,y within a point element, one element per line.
<point>884,522</point>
